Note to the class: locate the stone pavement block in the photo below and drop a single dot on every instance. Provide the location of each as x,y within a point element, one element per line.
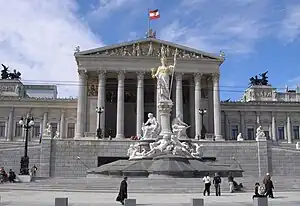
<point>61,201</point>
<point>130,202</point>
<point>197,202</point>
<point>260,201</point>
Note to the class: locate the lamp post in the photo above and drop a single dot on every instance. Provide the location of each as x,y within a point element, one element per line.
<point>26,123</point>
<point>202,112</point>
<point>99,111</point>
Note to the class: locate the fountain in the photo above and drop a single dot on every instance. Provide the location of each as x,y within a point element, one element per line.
<point>162,151</point>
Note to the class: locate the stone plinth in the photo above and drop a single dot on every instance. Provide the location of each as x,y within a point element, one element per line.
<point>165,108</point>
<point>197,202</point>
<point>260,201</point>
<point>130,202</point>
<point>24,178</point>
<point>61,201</point>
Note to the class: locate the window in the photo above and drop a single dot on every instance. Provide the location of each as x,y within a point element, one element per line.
<point>280,133</point>
<point>250,133</point>
<point>296,132</point>
<point>71,130</point>
<point>2,129</point>
<point>234,131</point>
<point>54,129</point>
<point>18,130</point>
<point>36,129</point>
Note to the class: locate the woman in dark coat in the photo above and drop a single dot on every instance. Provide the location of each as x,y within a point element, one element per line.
<point>268,186</point>
<point>123,191</point>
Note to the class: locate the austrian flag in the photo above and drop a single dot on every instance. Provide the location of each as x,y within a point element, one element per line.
<point>154,14</point>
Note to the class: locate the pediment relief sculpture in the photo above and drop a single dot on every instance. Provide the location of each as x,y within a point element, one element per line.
<point>149,48</point>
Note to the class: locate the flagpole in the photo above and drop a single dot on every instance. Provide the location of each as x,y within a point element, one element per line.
<point>148,32</point>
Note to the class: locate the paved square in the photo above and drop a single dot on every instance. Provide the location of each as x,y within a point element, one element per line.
<point>46,198</point>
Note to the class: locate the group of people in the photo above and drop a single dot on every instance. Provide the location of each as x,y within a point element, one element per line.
<point>266,190</point>
<point>4,177</point>
<point>216,181</point>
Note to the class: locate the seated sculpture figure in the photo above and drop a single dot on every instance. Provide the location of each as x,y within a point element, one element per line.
<point>133,151</point>
<point>151,128</point>
<point>179,127</point>
<point>48,130</point>
<point>239,137</point>
<point>180,148</point>
<point>260,134</point>
<point>159,146</point>
<point>198,151</point>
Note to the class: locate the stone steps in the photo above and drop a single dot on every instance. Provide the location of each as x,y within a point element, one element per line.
<point>142,185</point>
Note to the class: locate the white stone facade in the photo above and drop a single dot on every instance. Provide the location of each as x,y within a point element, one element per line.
<point>118,79</point>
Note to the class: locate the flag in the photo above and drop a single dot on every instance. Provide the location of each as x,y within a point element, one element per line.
<point>154,14</point>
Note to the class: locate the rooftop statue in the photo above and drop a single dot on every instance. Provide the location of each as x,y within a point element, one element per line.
<point>255,81</point>
<point>5,74</point>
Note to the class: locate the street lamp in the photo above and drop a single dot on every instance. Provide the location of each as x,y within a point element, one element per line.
<point>202,112</point>
<point>26,123</point>
<point>99,111</point>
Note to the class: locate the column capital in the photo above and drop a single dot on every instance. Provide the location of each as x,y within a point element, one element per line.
<point>63,111</point>
<point>140,75</point>
<point>101,74</point>
<point>178,76</point>
<point>215,76</point>
<point>83,74</point>
<point>121,75</point>
<point>197,76</point>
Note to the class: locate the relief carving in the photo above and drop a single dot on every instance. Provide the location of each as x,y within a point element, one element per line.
<point>93,88</point>
<point>150,49</point>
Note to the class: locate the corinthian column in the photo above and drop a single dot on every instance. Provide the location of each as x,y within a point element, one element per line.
<point>198,123</point>
<point>179,100</point>
<point>120,105</point>
<point>81,104</point>
<point>217,107</point>
<point>101,99</point>
<point>10,125</point>
<point>274,131</point>
<point>288,129</point>
<point>62,124</point>
<point>140,103</point>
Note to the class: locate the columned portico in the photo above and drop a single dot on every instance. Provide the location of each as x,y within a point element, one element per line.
<point>140,103</point>
<point>179,99</point>
<point>198,123</point>
<point>81,104</point>
<point>101,99</point>
<point>217,107</point>
<point>120,105</point>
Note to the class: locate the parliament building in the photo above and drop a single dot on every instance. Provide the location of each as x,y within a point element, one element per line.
<point>118,79</point>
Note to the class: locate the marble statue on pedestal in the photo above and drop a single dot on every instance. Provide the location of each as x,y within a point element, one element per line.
<point>151,128</point>
<point>162,74</point>
<point>239,137</point>
<point>179,128</point>
<point>56,136</point>
<point>260,134</point>
<point>48,130</point>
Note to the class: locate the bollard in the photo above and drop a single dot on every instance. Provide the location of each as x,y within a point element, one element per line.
<point>130,202</point>
<point>197,202</point>
<point>260,201</point>
<point>61,201</point>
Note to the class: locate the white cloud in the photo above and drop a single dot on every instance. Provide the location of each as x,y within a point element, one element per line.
<point>38,38</point>
<point>290,26</point>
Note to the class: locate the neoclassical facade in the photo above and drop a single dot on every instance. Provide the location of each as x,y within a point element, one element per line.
<point>118,78</point>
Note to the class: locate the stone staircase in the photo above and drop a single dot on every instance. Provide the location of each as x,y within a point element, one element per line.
<point>16,144</point>
<point>144,185</point>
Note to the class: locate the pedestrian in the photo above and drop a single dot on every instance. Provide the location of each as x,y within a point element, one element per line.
<point>123,191</point>
<point>268,186</point>
<point>230,182</point>
<point>207,184</point>
<point>217,181</point>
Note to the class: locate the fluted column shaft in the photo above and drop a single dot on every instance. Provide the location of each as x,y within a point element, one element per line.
<point>101,100</point>
<point>10,125</point>
<point>198,122</point>
<point>217,108</point>
<point>120,106</point>
<point>81,105</point>
<point>140,103</point>
<point>192,109</point>
<point>274,131</point>
<point>289,132</point>
<point>45,120</point>
<point>62,124</point>
<point>179,98</point>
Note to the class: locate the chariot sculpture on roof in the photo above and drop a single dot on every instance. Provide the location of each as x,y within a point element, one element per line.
<point>255,81</point>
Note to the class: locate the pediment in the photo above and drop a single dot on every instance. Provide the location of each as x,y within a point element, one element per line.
<point>149,47</point>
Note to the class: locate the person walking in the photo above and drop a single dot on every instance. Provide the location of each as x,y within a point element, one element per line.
<point>230,182</point>
<point>123,191</point>
<point>268,186</point>
<point>207,184</point>
<point>217,181</point>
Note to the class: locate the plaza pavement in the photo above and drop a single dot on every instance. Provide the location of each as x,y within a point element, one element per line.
<point>46,198</point>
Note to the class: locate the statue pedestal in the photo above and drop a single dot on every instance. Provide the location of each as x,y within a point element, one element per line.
<point>165,108</point>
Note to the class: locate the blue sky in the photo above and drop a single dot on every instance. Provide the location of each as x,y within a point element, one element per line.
<point>256,35</point>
